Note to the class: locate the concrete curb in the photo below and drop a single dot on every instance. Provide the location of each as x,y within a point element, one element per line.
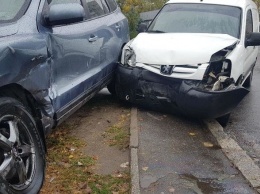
<point>134,144</point>
<point>235,154</point>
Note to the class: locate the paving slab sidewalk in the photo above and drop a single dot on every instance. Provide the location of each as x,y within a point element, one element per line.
<point>176,155</point>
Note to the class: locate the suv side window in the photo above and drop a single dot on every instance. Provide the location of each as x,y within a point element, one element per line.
<point>112,5</point>
<point>249,22</point>
<point>95,8</point>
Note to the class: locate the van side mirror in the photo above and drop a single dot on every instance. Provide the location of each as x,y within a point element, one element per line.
<point>252,39</point>
<point>64,14</point>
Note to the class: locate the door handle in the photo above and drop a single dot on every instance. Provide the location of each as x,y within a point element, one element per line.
<point>93,38</point>
<point>118,26</point>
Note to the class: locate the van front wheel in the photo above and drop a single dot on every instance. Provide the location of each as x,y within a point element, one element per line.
<point>248,82</point>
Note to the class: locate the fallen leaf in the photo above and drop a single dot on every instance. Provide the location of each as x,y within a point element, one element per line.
<point>145,168</point>
<point>192,134</point>
<point>124,165</point>
<point>80,164</point>
<point>88,190</point>
<point>71,156</point>
<point>83,186</point>
<point>52,179</point>
<point>171,190</point>
<point>64,164</point>
<point>208,144</point>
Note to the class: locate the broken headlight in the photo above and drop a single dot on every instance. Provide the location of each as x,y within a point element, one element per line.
<point>217,75</point>
<point>129,57</point>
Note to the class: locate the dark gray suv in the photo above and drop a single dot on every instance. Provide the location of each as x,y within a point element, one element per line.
<point>55,56</point>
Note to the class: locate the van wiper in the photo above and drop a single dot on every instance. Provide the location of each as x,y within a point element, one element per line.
<point>155,31</point>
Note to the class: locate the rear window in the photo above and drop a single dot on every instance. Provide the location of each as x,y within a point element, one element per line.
<point>12,10</point>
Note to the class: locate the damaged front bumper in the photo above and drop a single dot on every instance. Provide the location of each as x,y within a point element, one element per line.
<point>141,86</point>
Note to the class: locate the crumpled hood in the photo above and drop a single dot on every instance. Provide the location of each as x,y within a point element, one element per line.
<point>178,48</point>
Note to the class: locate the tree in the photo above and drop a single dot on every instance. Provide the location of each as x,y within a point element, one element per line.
<point>257,3</point>
<point>132,9</point>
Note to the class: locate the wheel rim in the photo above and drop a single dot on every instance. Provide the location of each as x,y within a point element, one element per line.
<point>17,152</point>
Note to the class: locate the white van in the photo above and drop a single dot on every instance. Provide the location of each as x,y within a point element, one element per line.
<point>196,56</point>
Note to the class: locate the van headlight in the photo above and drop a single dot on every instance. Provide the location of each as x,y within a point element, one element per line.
<point>129,57</point>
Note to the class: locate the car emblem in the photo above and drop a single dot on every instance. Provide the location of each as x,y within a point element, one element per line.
<point>167,69</point>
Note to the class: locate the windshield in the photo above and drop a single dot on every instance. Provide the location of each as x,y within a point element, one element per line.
<point>198,18</point>
<point>12,9</point>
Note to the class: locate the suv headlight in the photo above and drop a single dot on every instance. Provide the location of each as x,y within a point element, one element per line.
<point>129,57</point>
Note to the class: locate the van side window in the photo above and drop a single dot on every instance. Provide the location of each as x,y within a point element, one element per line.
<point>112,5</point>
<point>95,8</point>
<point>249,22</point>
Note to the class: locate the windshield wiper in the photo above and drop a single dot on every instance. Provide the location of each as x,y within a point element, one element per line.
<point>155,31</point>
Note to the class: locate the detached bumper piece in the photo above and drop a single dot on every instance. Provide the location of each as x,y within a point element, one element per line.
<point>145,88</point>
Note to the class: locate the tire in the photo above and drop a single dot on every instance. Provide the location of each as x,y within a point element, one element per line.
<point>223,120</point>
<point>111,87</point>
<point>248,81</point>
<point>22,156</point>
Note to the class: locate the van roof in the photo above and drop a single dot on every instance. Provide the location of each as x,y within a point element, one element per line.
<point>236,3</point>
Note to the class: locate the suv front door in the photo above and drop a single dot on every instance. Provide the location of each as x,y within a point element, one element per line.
<point>75,61</point>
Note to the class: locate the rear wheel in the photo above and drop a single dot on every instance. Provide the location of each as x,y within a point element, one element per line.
<point>22,161</point>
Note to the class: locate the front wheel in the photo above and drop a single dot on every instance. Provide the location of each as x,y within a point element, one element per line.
<point>22,161</point>
<point>248,81</point>
<point>111,87</point>
<point>223,120</point>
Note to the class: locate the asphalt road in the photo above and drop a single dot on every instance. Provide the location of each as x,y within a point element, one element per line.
<point>244,124</point>
<point>177,155</point>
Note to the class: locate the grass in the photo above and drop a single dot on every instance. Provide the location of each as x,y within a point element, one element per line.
<point>118,135</point>
<point>69,171</point>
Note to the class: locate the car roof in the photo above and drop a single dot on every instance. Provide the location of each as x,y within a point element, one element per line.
<point>236,3</point>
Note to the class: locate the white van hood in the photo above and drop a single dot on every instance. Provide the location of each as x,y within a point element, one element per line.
<point>178,48</point>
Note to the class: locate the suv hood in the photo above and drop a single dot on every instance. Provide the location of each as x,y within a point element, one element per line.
<point>178,48</point>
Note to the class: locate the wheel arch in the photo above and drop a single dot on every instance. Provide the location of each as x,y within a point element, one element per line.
<point>19,93</point>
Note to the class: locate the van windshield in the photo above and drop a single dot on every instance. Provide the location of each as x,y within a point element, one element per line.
<point>198,18</point>
<point>12,9</point>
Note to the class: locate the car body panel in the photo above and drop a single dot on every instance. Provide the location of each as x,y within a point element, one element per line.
<point>170,49</point>
<point>58,65</point>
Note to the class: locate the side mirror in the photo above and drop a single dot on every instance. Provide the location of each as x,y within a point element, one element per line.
<point>143,26</point>
<point>252,39</point>
<point>65,14</point>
